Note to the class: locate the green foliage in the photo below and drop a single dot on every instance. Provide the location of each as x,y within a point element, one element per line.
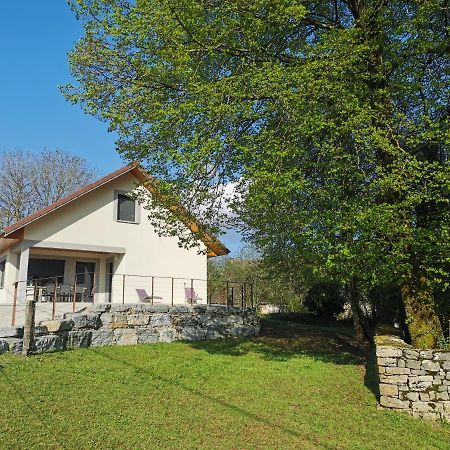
<point>325,299</point>
<point>329,119</point>
<point>267,287</point>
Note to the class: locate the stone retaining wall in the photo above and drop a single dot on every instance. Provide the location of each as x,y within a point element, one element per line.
<point>413,380</point>
<point>101,325</point>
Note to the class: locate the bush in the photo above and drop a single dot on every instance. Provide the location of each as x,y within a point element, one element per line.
<point>325,299</point>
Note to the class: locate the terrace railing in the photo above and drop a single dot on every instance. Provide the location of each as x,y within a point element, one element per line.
<point>53,297</point>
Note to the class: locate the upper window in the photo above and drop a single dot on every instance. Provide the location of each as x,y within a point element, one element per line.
<point>126,209</point>
<point>2,272</point>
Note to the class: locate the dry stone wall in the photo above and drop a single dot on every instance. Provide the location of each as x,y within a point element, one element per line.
<point>413,380</point>
<point>101,325</point>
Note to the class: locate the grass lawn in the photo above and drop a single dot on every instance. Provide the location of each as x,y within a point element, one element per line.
<point>296,386</point>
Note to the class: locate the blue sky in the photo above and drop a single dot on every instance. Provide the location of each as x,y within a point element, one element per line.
<point>35,37</point>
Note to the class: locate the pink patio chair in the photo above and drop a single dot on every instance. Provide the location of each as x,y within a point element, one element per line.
<point>191,296</point>
<point>145,298</point>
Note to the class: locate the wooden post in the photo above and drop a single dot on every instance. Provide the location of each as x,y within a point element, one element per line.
<point>28,331</point>
<point>35,292</point>
<point>13,320</point>
<point>242,295</point>
<point>228,295</point>
<point>232,295</point>
<point>55,297</point>
<point>172,291</point>
<point>251,295</point>
<point>123,289</point>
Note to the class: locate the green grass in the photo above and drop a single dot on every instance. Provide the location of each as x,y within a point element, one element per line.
<point>296,386</point>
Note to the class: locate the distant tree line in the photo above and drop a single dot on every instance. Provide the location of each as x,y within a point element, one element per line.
<point>30,181</point>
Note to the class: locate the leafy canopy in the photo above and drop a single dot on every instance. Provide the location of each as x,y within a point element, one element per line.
<point>330,119</point>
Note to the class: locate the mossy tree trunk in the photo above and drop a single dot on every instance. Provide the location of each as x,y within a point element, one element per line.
<point>422,319</point>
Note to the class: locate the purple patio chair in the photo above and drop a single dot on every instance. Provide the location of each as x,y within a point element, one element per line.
<point>145,298</point>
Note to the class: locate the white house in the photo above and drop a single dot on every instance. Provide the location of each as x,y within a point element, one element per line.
<point>98,245</point>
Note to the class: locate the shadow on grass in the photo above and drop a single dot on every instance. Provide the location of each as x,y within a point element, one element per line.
<point>280,340</point>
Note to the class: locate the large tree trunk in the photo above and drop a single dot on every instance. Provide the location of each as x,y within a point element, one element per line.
<point>422,320</point>
<point>358,322</point>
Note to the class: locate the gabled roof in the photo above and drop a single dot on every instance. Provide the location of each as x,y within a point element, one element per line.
<point>214,246</point>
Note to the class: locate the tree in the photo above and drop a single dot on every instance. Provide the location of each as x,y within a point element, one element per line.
<point>29,182</point>
<point>331,118</point>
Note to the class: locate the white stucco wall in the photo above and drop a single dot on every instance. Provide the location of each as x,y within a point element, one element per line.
<point>90,221</point>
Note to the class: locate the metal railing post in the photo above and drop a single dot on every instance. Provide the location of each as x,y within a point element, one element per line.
<point>123,289</point>
<point>242,295</point>
<point>153,288</point>
<point>228,294</point>
<point>192,291</point>
<point>94,287</point>
<point>13,319</point>
<point>172,290</point>
<point>74,292</point>
<point>55,297</point>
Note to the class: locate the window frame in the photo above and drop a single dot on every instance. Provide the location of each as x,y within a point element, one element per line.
<point>137,210</point>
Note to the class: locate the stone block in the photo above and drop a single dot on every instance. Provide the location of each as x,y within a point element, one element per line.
<point>4,347</point>
<point>442,356</point>
<point>410,354</point>
<point>424,397</point>
<point>388,390</point>
<point>442,396</point>
<point>138,320</point>
<point>48,343</point>
<point>180,309</point>
<point>426,354</point>
<point>56,326</point>
<point>79,339</point>
<point>401,363</point>
<point>126,336</point>
<point>421,407</point>
<point>413,364</point>
<point>15,344</point>
<point>413,396</point>
<point>122,309</point>
<point>11,332</point>
<point>155,308</point>
<point>420,383</point>
<point>446,365</point>
<point>213,333</point>
<point>389,352</point>
<point>430,366</point>
<point>161,320</point>
<point>192,334</point>
<point>397,371</point>
<point>167,334</point>
<point>84,321</point>
<point>145,336</point>
<point>390,362</point>
<point>394,379</point>
<point>40,330</point>
<point>118,321</point>
<point>395,403</point>
<point>101,338</point>
<point>99,308</point>
<point>239,331</point>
